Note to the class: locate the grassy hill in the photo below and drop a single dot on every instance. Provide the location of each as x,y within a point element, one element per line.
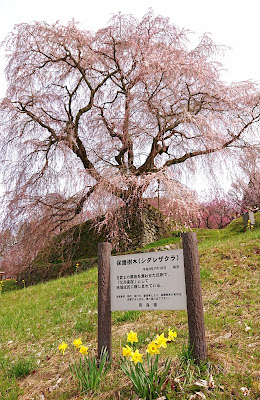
<point>35,320</point>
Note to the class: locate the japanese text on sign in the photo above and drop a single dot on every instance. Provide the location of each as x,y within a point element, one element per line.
<point>148,281</point>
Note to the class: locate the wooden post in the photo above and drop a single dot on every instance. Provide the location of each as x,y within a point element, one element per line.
<point>194,296</point>
<point>158,197</point>
<point>104,300</point>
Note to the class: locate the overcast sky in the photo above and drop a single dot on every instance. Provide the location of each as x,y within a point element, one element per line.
<point>234,23</point>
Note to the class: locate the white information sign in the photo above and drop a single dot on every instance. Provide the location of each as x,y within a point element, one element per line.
<point>148,281</point>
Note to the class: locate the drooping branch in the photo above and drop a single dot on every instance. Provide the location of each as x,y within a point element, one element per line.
<point>103,115</point>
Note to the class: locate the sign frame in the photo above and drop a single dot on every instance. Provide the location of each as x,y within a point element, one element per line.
<point>193,292</point>
<point>148,281</point>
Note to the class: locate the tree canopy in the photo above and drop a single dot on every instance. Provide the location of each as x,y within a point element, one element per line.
<point>92,120</point>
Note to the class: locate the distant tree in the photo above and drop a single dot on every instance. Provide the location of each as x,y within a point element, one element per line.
<point>216,213</point>
<point>251,196</point>
<point>245,191</point>
<point>100,117</point>
<point>179,204</point>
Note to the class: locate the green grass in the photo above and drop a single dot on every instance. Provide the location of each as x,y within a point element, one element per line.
<point>163,242</point>
<point>17,368</point>
<point>34,321</point>
<point>9,389</point>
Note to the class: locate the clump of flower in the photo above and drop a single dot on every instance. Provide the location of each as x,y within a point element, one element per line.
<point>137,357</point>
<point>153,348</point>
<point>171,335</point>
<point>249,225</point>
<point>132,337</point>
<point>127,351</point>
<point>83,350</point>
<point>87,371</point>
<point>62,347</point>
<point>161,341</point>
<point>77,343</point>
<point>149,379</point>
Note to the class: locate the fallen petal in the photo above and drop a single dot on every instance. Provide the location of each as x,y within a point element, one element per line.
<point>211,383</point>
<point>199,384</point>
<point>245,391</point>
<point>197,396</point>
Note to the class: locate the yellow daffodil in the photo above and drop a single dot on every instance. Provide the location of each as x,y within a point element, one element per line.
<point>171,335</point>
<point>127,351</point>
<point>152,348</point>
<point>77,343</point>
<point>137,357</point>
<point>132,337</point>
<point>161,341</point>
<point>62,347</point>
<point>83,350</point>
